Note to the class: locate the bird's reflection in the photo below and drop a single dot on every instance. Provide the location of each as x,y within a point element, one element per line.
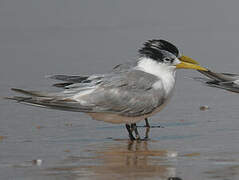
<point>127,160</point>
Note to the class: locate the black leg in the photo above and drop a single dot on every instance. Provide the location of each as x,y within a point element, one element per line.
<point>147,122</point>
<point>130,132</point>
<point>134,128</point>
<point>147,129</point>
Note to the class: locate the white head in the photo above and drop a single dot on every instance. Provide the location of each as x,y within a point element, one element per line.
<point>159,57</point>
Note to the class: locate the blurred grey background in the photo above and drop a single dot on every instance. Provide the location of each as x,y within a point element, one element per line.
<point>75,36</point>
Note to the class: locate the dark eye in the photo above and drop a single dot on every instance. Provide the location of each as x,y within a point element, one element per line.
<point>167,59</point>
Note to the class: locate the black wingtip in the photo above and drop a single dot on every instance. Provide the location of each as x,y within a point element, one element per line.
<point>6,98</point>
<point>25,92</point>
<point>17,98</point>
<point>62,85</point>
<point>17,90</point>
<point>21,91</point>
<point>10,98</point>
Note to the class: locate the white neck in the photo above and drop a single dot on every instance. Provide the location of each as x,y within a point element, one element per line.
<point>164,72</point>
<point>153,67</point>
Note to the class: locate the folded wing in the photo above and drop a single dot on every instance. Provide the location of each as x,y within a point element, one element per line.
<point>128,94</point>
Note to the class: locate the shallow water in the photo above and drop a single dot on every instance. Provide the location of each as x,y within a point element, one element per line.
<point>39,38</point>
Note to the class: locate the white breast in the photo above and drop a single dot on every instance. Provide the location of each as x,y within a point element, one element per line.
<point>164,72</point>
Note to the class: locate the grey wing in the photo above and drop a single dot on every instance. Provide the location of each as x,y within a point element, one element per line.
<point>74,85</point>
<point>130,94</point>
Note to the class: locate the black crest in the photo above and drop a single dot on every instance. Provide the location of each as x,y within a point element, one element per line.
<point>153,49</point>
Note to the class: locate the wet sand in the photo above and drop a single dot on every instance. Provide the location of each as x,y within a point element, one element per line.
<point>87,149</point>
<point>43,37</point>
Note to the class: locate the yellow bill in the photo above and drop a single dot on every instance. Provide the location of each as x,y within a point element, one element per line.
<point>188,59</point>
<point>189,63</point>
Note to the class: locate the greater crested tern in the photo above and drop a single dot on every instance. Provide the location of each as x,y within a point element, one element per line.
<point>131,92</point>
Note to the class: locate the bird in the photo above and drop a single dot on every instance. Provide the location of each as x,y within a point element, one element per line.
<point>131,92</point>
<point>226,81</point>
